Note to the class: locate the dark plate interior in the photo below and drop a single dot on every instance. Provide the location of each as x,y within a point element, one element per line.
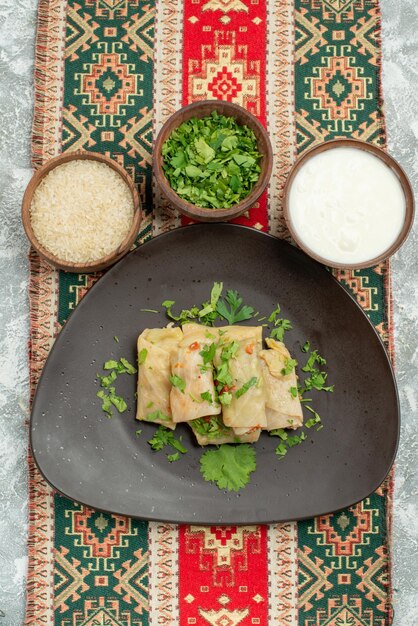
<point>100,462</point>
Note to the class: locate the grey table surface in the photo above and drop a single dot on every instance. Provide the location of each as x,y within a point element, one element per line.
<point>400,74</point>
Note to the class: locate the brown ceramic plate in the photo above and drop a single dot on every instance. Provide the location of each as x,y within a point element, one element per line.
<point>101,463</point>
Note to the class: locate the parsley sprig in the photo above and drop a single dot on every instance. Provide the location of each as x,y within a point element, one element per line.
<point>229,466</point>
<point>232,310</point>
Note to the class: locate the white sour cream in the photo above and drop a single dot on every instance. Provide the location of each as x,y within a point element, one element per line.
<point>346,205</point>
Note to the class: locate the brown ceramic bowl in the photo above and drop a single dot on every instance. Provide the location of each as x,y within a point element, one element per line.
<point>390,162</point>
<point>202,109</point>
<point>104,262</point>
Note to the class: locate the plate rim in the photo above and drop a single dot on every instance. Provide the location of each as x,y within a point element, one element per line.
<point>251,520</point>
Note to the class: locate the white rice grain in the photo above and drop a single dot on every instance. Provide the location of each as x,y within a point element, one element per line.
<point>82,211</point>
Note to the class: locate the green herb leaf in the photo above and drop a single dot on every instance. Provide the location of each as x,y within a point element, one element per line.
<point>208,353</point>
<point>155,416</point>
<point>211,426</point>
<point>110,365</point>
<point>293,392</point>
<point>138,432</point>
<point>129,369</point>
<point>313,359</point>
<point>229,467</point>
<point>116,339</point>
<point>223,375</point>
<point>173,457</point>
<point>106,381</point>
<point>230,308</point>
<point>278,331</point>
<point>229,351</point>
<point>178,382</point>
<point>246,386</point>
<point>273,315</point>
<point>118,402</point>
<point>279,432</point>
<point>142,356</point>
<point>207,396</point>
<point>306,346</point>
<point>281,450</point>
<point>289,366</point>
<point>225,398</point>
<point>203,150</point>
<point>106,404</point>
<point>165,437</point>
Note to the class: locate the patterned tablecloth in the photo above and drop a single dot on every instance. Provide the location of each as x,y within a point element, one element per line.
<point>108,74</point>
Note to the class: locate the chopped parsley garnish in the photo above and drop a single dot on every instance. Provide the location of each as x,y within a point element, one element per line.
<point>116,338</point>
<point>142,356</point>
<point>212,162</point>
<point>208,310</point>
<point>287,441</point>
<point>138,432</point>
<point>223,375</point>
<point>314,358</point>
<point>278,432</point>
<point>280,324</point>
<point>281,450</point>
<point>246,386</point>
<point>164,437</point>
<point>289,366</point>
<point>106,381</point>
<point>119,367</point>
<point>316,419</point>
<point>173,457</point>
<point>149,311</point>
<point>225,398</point>
<point>229,466</point>
<point>229,351</point>
<point>178,382</point>
<point>295,440</point>
<point>129,369</point>
<point>306,346</point>
<point>293,392</point>
<point>110,365</point>
<point>118,402</point>
<point>208,353</point>
<point>211,427</point>
<point>155,416</point>
<point>207,396</point>
<point>106,404</point>
<point>232,310</point>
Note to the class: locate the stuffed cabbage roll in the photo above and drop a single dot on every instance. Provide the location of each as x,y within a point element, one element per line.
<point>155,349</point>
<point>240,383</point>
<point>283,409</point>
<point>193,391</point>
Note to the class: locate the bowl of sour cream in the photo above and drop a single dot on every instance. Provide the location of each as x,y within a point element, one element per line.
<point>348,204</point>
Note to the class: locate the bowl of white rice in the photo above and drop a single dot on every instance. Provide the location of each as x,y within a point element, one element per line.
<point>81,211</point>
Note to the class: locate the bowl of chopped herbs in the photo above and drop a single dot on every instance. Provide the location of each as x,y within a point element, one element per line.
<point>212,160</point>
